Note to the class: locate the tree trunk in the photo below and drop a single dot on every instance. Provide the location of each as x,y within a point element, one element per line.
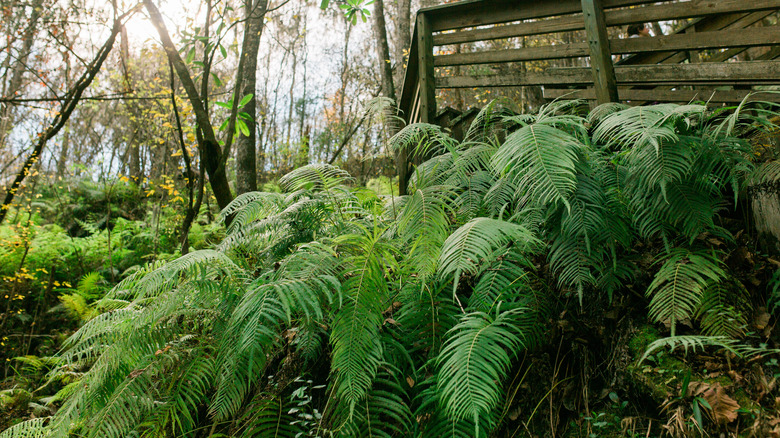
<point>212,155</point>
<point>403,37</point>
<point>246,164</point>
<point>62,163</point>
<point>383,50</point>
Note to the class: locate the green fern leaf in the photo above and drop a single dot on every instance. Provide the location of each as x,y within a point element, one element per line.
<point>678,286</point>
<point>469,245</point>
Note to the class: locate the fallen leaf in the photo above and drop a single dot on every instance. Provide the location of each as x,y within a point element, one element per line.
<point>724,408</point>
<point>410,381</point>
<point>762,319</point>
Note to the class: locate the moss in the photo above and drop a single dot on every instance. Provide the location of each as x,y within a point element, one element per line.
<point>746,403</point>
<point>639,343</point>
<point>656,378</point>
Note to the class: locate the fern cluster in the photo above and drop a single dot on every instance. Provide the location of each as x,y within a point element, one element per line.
<point>416,306</point>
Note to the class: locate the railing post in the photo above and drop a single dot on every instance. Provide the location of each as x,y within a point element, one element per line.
<point>425,69</point>
<point>600,53</point>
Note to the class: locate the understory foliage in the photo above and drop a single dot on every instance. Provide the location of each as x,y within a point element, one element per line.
<point>407,313</point>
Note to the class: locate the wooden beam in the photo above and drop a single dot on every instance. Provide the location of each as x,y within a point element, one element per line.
<point>749,71</point>
<point>573,22</point>
<point>553,76</point>
<point>759,72</point>
<point>736,38</point>
<point>514,55</point>
<point>757,36</point>
<point>425,69</point>
<point>600,55</point>
<point>411,80</point>
<point>688,9</point>
<point>629,95</point>
<point>486,12</point>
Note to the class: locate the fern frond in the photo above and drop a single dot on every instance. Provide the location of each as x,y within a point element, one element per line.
<point>643,126</point>
<point>270,418</point>
<point>504,280</point>
<point>466,248</point>
<point>474,361</point>
<point>357,351</point>
<point>250,333</point>
<point>315,177</point>
<point>424,224</point>
<point>724,309</point>
<point>251,206</point>
<point>427,315</point>
<point>473,189</point>
<point>597,114</point>
<point>34,428</point>
<point>678,286</point>
<point>693,343</point>
<point>383,413</point>
<point>541,159</point>
<point>422,140</point>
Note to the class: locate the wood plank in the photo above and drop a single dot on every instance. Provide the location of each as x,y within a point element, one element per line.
<point>486,12</point>
<point>756,71</point>
<point>411,80</point>
<point>514,55</point>
<point>613,18</point>
<point>763,72</point>
<point>633,95</point>
<point>758,36</point>
<point>529,28</point>
<point>562,76</point>
<point>600,55</point>
<point>705,24</point>
<point>425,69</point>
<point>688,9</point>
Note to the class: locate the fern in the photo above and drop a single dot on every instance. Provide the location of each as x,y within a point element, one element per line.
<point>270,417</point>
<point>465,249</point>
<point>357,351</point>
<point>474,361</point>
<point>33,428</point>
<point>693,343</point>
<point>677,288</point>
<point>541,159</point>
<point>724,309</point>
<point>423,224</point>
<point>315,177</point>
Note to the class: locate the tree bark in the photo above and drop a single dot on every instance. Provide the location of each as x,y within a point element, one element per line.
<point>403,37</point>
<point>383,50</point>
<point>246,161</point>
<point>212,155</point>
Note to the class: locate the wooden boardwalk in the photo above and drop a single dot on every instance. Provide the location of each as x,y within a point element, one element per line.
<point>666,68</point>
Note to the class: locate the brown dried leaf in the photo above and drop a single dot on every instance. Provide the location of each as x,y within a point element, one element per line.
<point>762,319</point>
<point>724,408</point>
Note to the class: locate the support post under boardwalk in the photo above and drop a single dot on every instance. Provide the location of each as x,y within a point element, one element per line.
<point>600,53</point>
<point>425,69</point>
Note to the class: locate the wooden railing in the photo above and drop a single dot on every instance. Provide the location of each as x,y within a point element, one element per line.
<point>665,68</point>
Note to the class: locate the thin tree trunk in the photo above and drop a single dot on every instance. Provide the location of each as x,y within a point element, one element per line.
<point>403,37</point>
<point>212,155</point>
<point>383,50</point>
<point>246,164</point>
